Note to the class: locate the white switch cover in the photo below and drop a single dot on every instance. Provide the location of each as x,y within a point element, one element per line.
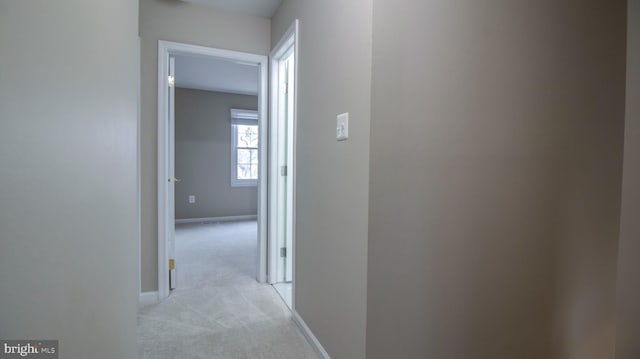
<point>192,199</point>
<point>342,129</point>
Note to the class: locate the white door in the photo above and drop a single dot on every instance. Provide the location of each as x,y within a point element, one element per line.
<point>284,144</point>
<point>288,65</point>
<point>171,235</point>
<point>282,166</point>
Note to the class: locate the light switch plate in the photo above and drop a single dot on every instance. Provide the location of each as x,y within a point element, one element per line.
<point>192,199</point>
<point>342,126</point>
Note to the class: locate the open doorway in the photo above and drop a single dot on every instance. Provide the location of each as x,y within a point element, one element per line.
<point>217,307</point>
<point>282,166</point>
<point>212,159</point>
<point>216,169</point>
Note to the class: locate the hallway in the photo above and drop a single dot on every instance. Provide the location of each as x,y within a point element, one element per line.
<point>218,310</point>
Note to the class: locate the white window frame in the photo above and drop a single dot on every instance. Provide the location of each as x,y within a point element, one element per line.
<point>241,117</point>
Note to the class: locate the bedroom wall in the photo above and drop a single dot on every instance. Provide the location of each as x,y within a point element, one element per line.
<point>203,155</point>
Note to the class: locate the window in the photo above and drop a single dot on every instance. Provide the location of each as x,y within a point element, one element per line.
<point>244,148</point>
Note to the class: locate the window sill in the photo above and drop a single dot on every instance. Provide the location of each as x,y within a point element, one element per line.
<point>244,183</point>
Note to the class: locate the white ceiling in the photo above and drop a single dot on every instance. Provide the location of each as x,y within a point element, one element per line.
<point>211,74</point>
<point>264,8</point>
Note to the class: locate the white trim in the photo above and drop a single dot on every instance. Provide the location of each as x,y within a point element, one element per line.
<point>308,334</point>
<point>138,172</point>
<point>296,43</point>
<point>290,38</point>
<point>240,114</point>
<point>166,222</point>
<point>244,121</point>
<point>163,265</point>
<point>263,169</point>
<point>146,298</point>
<point>249,217</point>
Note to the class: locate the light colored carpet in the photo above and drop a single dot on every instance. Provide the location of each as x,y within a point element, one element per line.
<point>218,309</point>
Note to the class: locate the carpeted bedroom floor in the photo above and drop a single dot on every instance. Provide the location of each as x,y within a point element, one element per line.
<point>218,310</point>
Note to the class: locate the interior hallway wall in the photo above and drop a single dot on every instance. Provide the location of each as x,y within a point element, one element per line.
<point>203,155</point>
<point>589,178</point>
<point>628,345</point>
<point>495,178</point>
<point>68,228</point>
<point>332,178</point>
<point>187,23</point>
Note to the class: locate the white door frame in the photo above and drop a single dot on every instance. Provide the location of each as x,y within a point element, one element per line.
<point>165,222</point>
<point>290,38</point>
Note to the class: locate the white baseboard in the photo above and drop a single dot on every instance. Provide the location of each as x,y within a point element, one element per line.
<point>147,298</point>
<point>315,343</point>
<point>218,219</point>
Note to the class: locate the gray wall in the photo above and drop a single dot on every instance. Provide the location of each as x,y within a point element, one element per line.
<point>68,239</point>
<point>495,178</point>
<point>587,205</point>
<point>628,345</point>
<point>332,177</point>
<point>203,155</point>
<point>192,24</point>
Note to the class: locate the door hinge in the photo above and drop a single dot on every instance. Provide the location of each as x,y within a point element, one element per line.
<point>284,88</point>
<point>171,81</point>
<point>172,274</point>
<point>283,252</point>
<point>283,170</point>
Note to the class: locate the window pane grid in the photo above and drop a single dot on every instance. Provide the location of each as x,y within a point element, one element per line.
<point>247,136</point>
<point>246,151</point>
